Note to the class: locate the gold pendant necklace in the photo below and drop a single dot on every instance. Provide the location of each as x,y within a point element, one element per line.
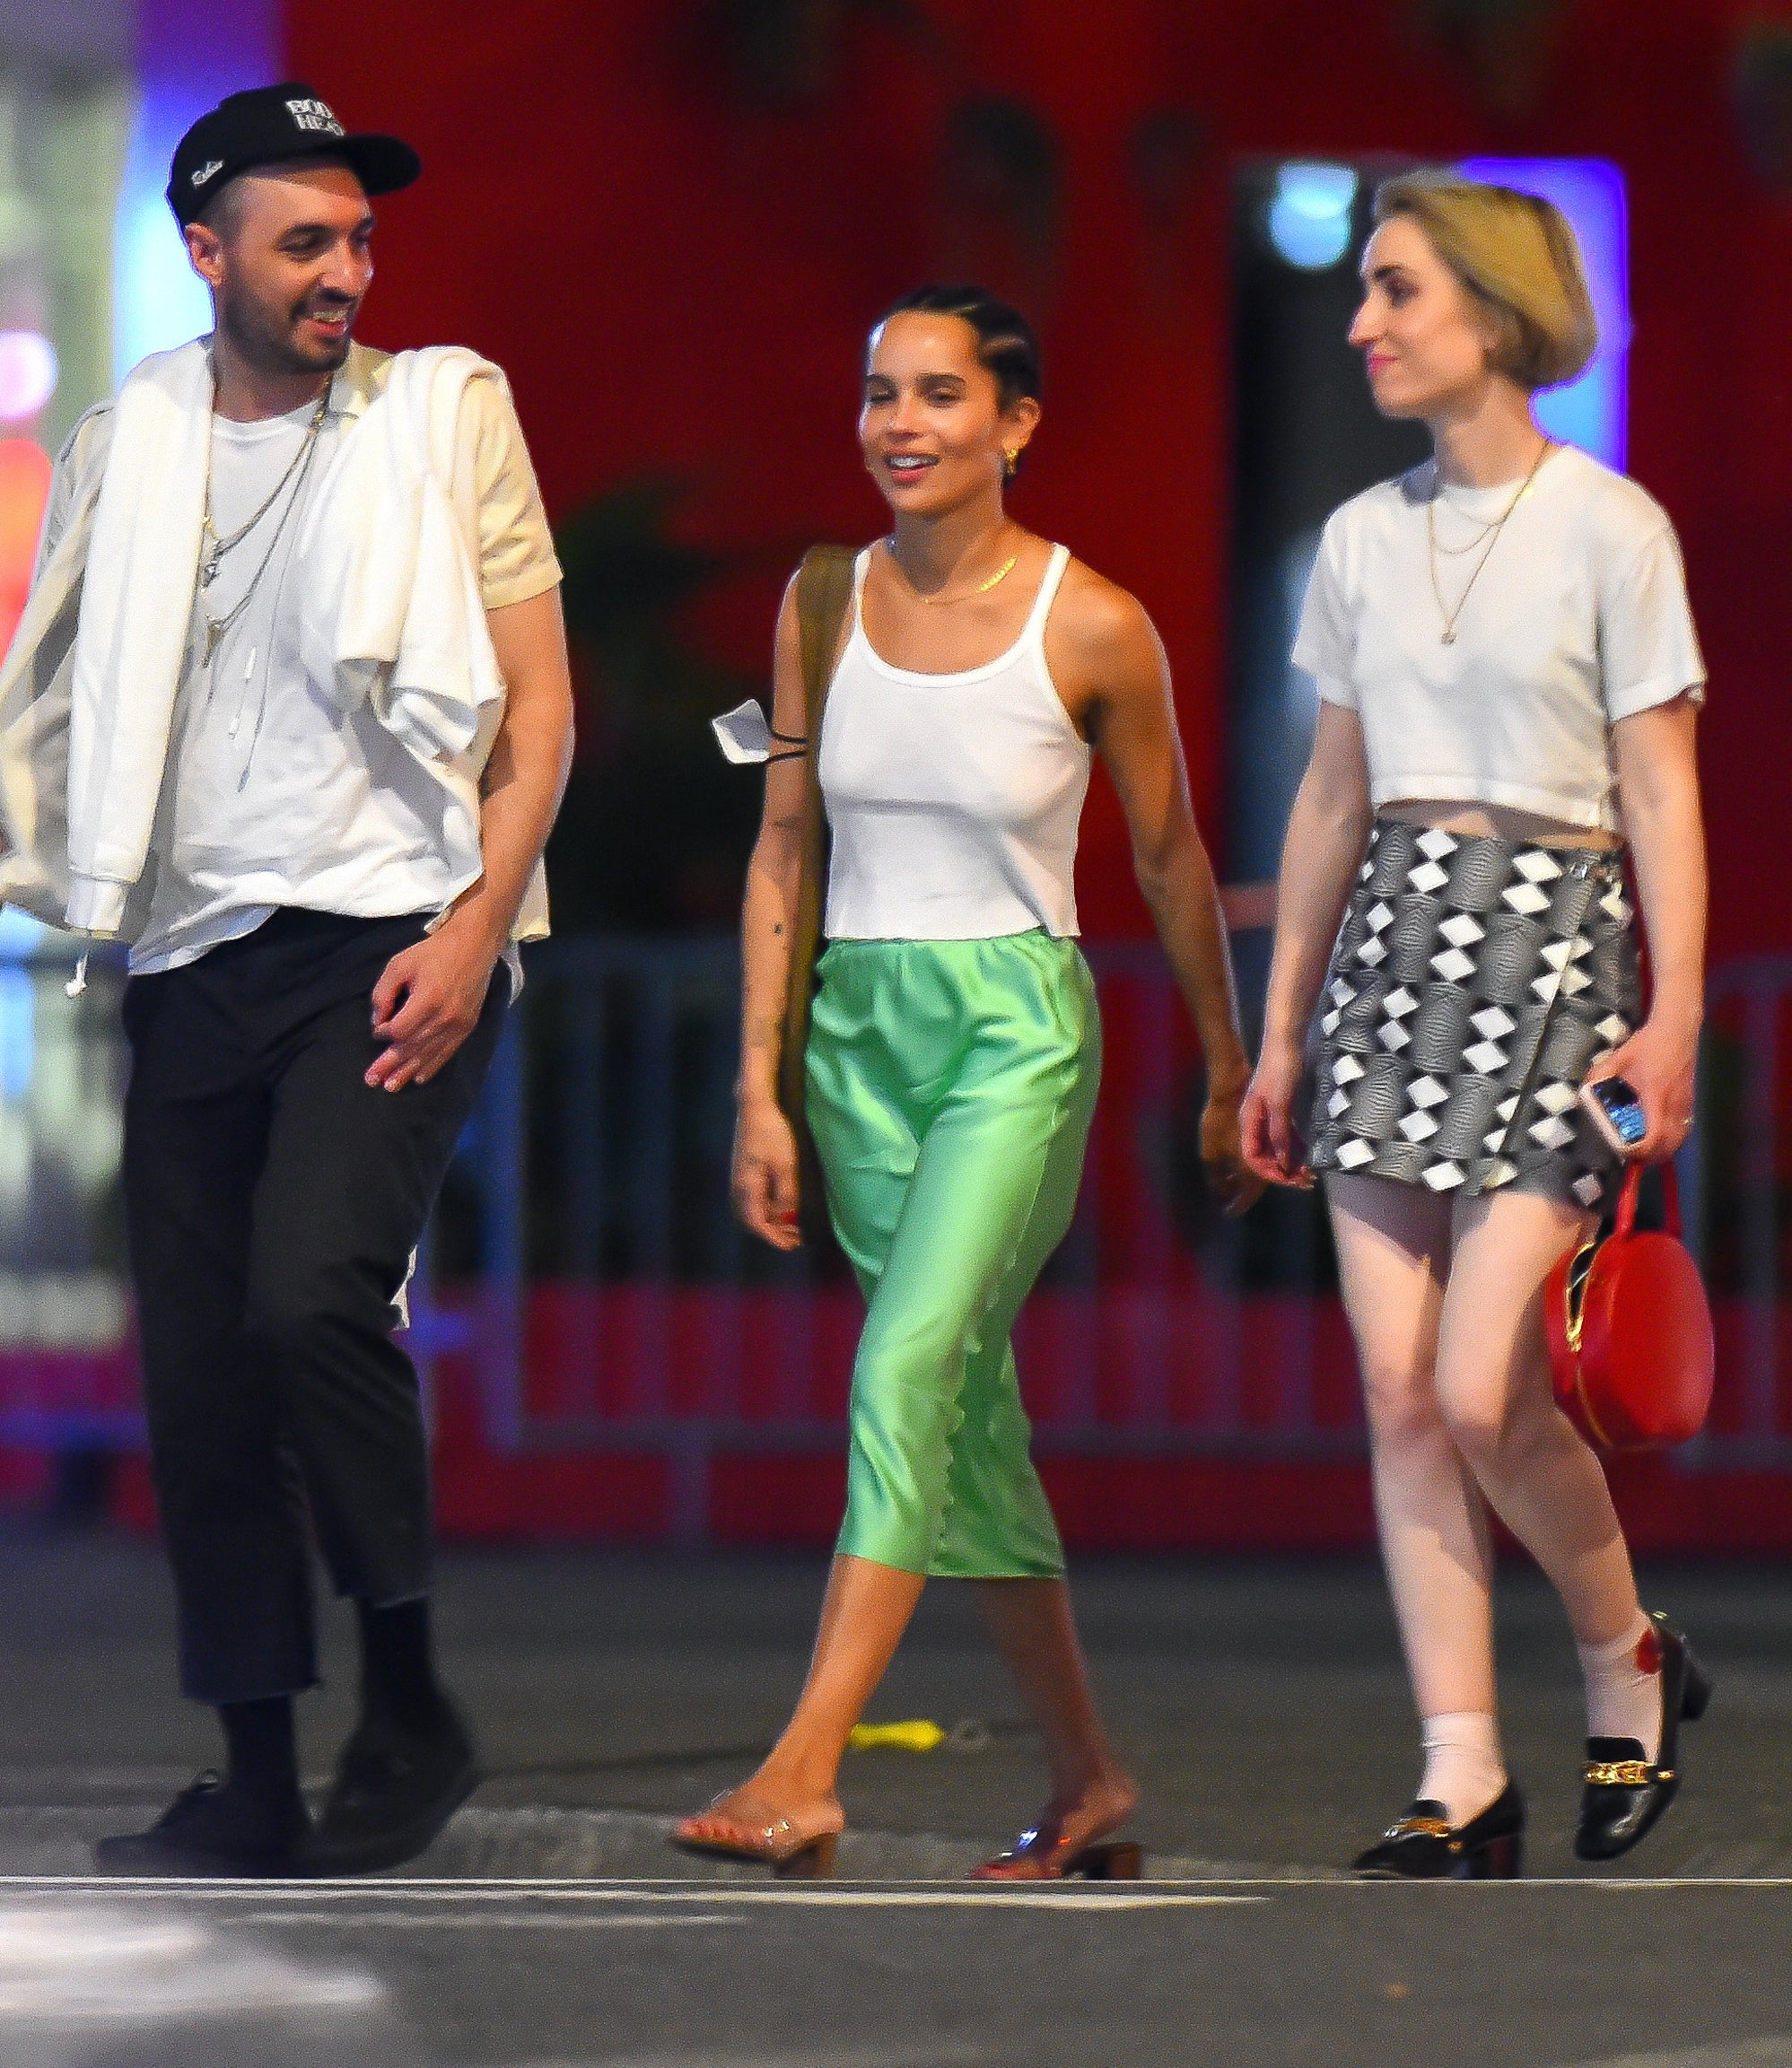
<point>1452,617</point>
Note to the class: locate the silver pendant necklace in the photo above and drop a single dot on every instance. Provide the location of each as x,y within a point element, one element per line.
<point>217,627</point>
<point>211,555</point>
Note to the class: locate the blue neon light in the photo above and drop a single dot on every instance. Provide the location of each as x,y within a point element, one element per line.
<point>159,299</point>
<point>18,1033</point>
<point>191,54</point>
<point>1589,412</point>
<point>1309,217</point>
<point>20,934</point>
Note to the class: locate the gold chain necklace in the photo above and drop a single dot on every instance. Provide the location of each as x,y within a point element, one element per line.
<point>1452,617</point>
<point>982,588</point>
<point>1482,528</point>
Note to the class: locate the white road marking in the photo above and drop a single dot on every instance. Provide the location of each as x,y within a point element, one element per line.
<point>937,2054</point>
<point>99,1965</point>
<point>1769,2053</point>
<point>507,1889</point>
<point>488,1920</point>
<point>369,1895</point>
<point>947,1899</point>
<point>136,1778</point>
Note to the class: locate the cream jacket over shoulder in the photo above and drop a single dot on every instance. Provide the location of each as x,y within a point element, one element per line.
<point>392,619</point>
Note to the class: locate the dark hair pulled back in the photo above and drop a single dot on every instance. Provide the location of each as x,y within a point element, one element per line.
<point>1006,344</point>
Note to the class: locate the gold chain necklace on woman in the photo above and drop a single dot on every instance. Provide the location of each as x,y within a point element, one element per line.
<point>1452,617</point>
<point>965,595</point>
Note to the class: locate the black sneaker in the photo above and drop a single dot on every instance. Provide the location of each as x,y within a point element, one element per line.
<point>212,1828</point>
<point>393,1793</point>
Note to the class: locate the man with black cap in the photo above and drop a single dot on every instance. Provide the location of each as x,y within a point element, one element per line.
<point>289,712</point>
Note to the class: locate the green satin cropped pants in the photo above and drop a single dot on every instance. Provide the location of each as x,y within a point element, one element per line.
<point>951,1085</point>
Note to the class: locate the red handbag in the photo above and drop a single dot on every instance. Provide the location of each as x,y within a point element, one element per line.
<point>1629,1332</point>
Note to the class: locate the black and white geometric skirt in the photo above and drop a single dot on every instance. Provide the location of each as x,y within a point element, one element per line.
<point>1474,982</point>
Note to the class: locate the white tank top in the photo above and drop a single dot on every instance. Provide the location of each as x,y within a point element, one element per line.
<point>953,799</point>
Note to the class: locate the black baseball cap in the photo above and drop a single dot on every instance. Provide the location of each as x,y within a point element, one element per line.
<point>266,125</point>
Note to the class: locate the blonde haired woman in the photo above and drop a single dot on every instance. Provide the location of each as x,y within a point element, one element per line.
<point>1510,680</point>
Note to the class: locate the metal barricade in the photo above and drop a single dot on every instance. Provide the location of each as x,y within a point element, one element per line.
<point>1158,1330</point>
<point>590,1270</point>
<point>67,1371</point>
<point>1734,1195</point>
<point>593,1197</point>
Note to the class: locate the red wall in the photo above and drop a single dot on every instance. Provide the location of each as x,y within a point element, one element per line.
<point>674,278</point>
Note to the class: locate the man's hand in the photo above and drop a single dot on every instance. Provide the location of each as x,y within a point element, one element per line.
<point>428,1000</point>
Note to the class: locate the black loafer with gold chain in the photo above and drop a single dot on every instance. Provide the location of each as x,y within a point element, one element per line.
<point>1626,1794</point>
<point>1423,1845</point>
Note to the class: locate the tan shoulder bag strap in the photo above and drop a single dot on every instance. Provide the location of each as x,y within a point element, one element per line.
<point>824,594</point>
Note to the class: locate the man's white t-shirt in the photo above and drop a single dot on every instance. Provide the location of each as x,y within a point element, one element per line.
<point>269,781</point>
<point>1577,618</point>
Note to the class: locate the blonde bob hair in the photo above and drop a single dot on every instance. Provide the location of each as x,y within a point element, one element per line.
<point>1517,257</point>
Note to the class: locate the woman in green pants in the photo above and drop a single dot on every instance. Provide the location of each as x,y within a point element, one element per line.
<point>955,1048</point>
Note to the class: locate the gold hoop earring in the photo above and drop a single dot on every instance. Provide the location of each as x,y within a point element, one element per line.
<point>1011,463</point>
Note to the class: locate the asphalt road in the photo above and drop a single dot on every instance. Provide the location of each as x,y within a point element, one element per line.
<point>921,1975</point>
<point>1263,1707</point>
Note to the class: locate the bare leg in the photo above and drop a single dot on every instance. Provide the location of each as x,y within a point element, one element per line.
<point>1493,1384</point>
<point>1033,1624</point>
<point>863,1615</point>
<point>1393,1256</point>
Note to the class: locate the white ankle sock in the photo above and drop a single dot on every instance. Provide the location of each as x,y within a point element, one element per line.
<point>1623,1686</point>
<point>1465,1769</point>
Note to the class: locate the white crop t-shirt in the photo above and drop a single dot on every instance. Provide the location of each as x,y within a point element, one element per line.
<point>1578,618</point>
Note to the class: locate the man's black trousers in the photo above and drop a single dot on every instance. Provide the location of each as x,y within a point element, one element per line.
<point>274,1200</point>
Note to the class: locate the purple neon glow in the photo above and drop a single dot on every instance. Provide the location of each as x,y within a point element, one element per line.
<point>1589,412</point>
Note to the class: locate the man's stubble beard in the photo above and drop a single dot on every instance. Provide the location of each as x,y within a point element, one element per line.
<point>265,343</point>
